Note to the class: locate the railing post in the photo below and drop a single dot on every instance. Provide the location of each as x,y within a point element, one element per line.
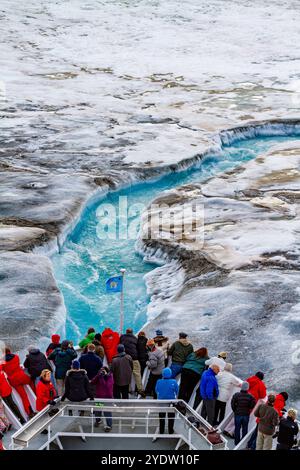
<point>147,421</point>
<point>49,437</point>
<point>92,413</point>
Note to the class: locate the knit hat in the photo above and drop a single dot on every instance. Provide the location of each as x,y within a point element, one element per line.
<point>150,343</point>
<point>245,387</point>
<point>75,364</point>
<point>121,348</point>
<point>159,333</point>
<point>223,354</point>
<point>260,375</point>
<point>182,335</point>
<point>55,339</point>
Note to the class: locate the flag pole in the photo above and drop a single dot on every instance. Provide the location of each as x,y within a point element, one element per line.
<point>123,271</point>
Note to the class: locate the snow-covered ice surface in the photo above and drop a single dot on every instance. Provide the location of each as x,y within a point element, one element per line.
<point>241,283</point>
<point>94,94</point>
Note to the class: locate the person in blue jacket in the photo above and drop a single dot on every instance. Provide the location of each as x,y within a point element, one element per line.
<point>166,389</point>
<point>209,392</point>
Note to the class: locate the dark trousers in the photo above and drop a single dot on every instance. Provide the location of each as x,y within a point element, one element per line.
<point>198,399</point>
<point>208,410</point>
<point>121,391</point>
<point>171,419</point>
<point>240,422</point>
<point>189,380</point>
<point>220,411</point>
<point>14,408</point>
<point>143,367</point>
<point>150,387</point>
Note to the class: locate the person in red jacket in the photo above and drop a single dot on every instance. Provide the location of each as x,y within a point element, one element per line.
<point>280,402</point>
<point>5,394</point>
<point>53,345</point>
<point>110,340</point>
<point>257,387</point>
<point>258,390</point>
<point>45,391</point>
<point>17,378</point>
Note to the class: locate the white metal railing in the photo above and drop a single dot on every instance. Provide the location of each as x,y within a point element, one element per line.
<point>144,414</point>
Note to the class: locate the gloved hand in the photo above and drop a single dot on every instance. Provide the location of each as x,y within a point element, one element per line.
<point>51,402</point>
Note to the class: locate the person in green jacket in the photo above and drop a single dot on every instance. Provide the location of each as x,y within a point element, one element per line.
<point>89,338</point>
<point>179,352</point>
<point>191,373</point>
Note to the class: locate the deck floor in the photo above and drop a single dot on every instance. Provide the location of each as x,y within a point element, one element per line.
<point>118,444</point>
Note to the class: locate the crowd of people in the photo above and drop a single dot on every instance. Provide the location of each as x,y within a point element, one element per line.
<point>77,376</point>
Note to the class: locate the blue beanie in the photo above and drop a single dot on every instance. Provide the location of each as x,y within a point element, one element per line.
<point>159,333</point>
<point>75,364</point>
<point>121,348</point>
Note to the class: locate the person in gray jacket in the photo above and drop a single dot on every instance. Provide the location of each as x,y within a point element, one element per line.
<point>156,364</point>
<point>122,367</point>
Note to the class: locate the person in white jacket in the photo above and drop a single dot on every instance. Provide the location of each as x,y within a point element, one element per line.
<point>219,360</point>
<point>227,383</point>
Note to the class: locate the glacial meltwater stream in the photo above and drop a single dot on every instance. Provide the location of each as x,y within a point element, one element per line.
<point>86,261</point>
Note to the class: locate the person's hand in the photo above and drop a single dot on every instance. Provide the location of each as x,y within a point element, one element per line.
<point>51,402</point>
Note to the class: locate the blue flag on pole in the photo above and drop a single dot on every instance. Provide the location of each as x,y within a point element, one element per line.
<point>114,284</point>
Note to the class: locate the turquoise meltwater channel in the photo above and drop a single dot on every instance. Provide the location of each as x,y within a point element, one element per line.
<point>85,261</point>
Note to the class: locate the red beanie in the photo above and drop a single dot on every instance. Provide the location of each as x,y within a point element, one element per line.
<point>55,339</point>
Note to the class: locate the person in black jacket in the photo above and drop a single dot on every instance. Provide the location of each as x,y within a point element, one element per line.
<point>91,362</point>
<point>77,385</point>
<point>142,350</point>
<point>242,403</point>
<point>35,363</point>
<point>129,341</point>
<point>288,431</point>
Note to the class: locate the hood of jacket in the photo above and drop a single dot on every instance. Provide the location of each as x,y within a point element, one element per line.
<point>76,374</point>
<point>62,352</point>
<point>91,336</point>
<point>34,351</point>
<point>160,339</point>
<point>122,354</point>
<point>167,373</point>
<point>107,332</point>
<point>184,341</point>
